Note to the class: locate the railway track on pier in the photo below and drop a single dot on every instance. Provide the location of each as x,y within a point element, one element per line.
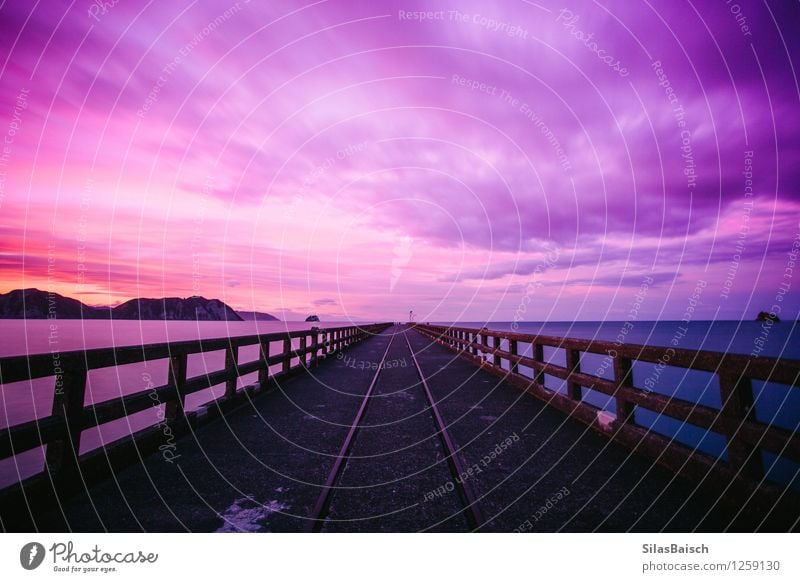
<point>451,470</point>
<point>262,467</point>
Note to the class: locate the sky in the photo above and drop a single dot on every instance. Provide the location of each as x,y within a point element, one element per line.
<point>471,161</point>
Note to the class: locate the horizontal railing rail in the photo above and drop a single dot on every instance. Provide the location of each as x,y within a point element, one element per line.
<point>61,431</point>
<point>760,368</point>
<point>735,420</point>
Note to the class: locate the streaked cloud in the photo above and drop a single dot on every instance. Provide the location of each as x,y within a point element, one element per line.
<point>273,155</point>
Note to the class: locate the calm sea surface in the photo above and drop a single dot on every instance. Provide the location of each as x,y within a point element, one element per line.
<point>24,401</point>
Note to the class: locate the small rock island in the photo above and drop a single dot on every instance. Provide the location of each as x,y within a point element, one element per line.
<point>767,316</point>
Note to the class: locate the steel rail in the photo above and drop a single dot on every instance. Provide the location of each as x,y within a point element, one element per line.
<point>320,511</point>
<point>474,514</point>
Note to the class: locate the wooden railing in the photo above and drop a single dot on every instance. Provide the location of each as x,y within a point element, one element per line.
<point>735,420</point>
<point>61,431</point>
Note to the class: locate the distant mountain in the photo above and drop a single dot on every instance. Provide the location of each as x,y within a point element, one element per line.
<point>767,316</point>
<point>312,318</point>
<point>36,304</point>
<point>256,316</point>
<point>190,309</point>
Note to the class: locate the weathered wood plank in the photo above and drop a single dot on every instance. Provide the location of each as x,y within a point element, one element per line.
<point>574,390</point>
<point>173,409</point>
<point>737,405</point>
<point>771,438</point>
<point>232,367</point>
<point>29,435</point>
<point>61,457</point>
<point>683,460</point>
<point>623,379</point>
<point>263,370</point>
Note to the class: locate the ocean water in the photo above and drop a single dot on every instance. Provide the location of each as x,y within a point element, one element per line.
<point>775,404</point>
<point>33,336</point>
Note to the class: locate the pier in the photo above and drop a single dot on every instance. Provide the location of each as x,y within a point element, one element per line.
<point>402,428</point>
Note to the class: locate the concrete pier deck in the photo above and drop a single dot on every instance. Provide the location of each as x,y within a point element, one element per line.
<point>260,467</point>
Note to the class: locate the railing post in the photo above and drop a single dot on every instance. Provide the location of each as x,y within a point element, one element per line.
<point>173,409</point>
<point>231,366</point>
<point>623,377</point>
<point>484,341</point>
<point>574,366</point>
<point>474,342</point>
<point>737,405</point>
<point>496,345</point>
<point>62,454</point>
<point>263,374</point>
<point>538,355</point>
<point>302,351</point>
<point>314,347</point>
<point>287,355</point>
<point>514,365</point>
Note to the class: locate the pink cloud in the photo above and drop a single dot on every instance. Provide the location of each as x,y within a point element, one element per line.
<point>274,155</point>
